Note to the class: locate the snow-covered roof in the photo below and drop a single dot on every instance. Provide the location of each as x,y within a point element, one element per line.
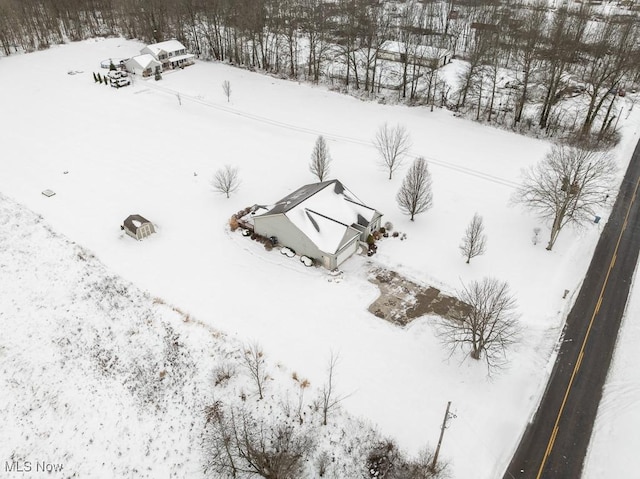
<point>133,222</point>
<point>144,61</point>
<point>326,233</point>
<point>177,58</point>
<point>421,51</point>
<point>168,46</point>
<point>325,212</point>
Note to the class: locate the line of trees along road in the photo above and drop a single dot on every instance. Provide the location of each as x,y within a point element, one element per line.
<point>552,53</point>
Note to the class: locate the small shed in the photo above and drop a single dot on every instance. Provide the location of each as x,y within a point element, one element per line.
<point>138,227</point>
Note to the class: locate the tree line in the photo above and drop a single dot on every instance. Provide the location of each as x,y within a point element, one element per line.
<point>549,55</point>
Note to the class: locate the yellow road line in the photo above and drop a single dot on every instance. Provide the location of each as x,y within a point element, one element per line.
<point>579,361</point>
<point>552,439</point>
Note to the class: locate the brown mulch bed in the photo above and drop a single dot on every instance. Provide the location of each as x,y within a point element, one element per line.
<point>402,300</point>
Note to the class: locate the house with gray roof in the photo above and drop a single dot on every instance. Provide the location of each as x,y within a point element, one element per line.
<point>324,221</point>
<point>171,54</point>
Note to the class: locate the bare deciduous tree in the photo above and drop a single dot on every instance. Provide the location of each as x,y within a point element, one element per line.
<point>220,440</point>
<point>320,159</point>
<point>488,324</point>
<point>328,398</point>
<point>226,180</point>
<point>529,38</point>
<point>226,88</point>
<point>566,186</point>
<point>237,444</point>
<point>256,365</point>
<point>392,143</point>
<point>415,195</point>
<point>474,240</point>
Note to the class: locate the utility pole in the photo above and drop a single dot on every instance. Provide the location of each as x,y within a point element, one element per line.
<point>447,416</point>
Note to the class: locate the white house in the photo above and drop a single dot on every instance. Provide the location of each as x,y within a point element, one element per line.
<point>143,65</point>
<point>423,55</point>
<point>171,54</point>
<point>324,221</point>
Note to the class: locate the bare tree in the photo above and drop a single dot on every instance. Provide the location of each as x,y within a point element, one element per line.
<point>320,159</point>
<point>226,88</point>
<point>392,143</point>
<point>415,195</point>
<point>328,398</point>
<point>610,48</point>
<point>567,186</point>
<point>226,180</point>
<point>486,326</point>
<point>238,444</point>
<point>256,366</point>
<point>560,46</point>
<point>303,384</point>
<point>474,240</point>
<point>219,441</point>
<point>529,38</point>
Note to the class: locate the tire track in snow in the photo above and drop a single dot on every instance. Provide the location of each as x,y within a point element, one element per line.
<point>329,135</point>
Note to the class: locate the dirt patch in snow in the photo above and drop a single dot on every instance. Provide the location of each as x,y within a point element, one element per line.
<point>401,300</point>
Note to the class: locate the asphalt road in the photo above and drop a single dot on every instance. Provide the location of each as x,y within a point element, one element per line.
<point>555,443</point>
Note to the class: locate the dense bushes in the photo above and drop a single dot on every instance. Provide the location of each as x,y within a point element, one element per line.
<point>239,444</point>
<point>386,461</point>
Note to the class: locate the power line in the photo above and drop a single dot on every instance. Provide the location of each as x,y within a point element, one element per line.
<point>333,136</point>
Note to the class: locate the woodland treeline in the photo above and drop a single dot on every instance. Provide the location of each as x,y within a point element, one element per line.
<point>556,53</point>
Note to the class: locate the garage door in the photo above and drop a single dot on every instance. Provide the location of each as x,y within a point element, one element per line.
<point>347,251</point>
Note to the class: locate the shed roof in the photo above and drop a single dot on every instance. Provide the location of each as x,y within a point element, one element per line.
<point>133,222</point>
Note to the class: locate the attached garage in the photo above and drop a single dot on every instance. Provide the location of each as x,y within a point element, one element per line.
<point>347,251</point>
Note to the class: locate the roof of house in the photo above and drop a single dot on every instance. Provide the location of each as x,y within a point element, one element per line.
<point>177,58</point>
<point>144,61</point>
<point>133,222</point>
<point>422,51</point>
<point>325,212</point>
<point>168,46</point>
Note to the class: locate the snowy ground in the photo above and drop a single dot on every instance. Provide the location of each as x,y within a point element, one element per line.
<point>613,451</point>
<point>99,379</point>
<point>152,149</point>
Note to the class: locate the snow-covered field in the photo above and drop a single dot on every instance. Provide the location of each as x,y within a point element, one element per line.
<point>613,451</point>
<point>152,149</point>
